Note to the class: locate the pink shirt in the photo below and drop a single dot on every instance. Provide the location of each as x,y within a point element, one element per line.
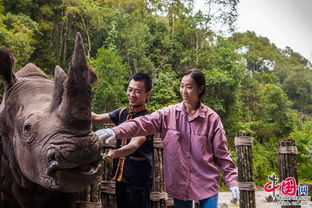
<point>194,149</point>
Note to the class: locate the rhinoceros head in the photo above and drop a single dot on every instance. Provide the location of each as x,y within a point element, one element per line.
<point>46,126</point>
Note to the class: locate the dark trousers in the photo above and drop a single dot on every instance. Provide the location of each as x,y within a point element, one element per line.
<point>132,196</point>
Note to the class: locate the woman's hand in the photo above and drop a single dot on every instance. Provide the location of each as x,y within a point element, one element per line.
<point>106,134</point>
<point>235,192</point>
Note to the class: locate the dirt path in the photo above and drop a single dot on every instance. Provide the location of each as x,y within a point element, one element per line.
<point>226,197</point>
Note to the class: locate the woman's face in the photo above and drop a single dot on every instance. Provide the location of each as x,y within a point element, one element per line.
<point>189,90</point>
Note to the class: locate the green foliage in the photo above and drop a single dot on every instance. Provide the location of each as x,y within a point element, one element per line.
<point>290,61</point>
<point>268,64</point>
<point>298,86</point>
<point>264,161</point>
<point>258,53</point>
<point>159,42</point>
<point>165,90</point>
<point>303,140</point>
<point>1,6</point>
<point>110,92</point>
<point>276,120</point>
<point>83,16</point>
<point>217,14</point>
<point>16,34</point>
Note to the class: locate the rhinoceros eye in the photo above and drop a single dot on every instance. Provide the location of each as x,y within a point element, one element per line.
<point>27,127</point>
<point>27,131</point>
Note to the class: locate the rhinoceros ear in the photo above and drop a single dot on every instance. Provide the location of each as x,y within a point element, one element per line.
<point>93,77</point>
<point>60,77</point>
<point>7,64</point>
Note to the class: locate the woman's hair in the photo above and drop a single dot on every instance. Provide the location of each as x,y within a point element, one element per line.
<point>199,78</point>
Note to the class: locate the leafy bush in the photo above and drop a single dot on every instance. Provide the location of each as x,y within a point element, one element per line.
<point>303,140</point>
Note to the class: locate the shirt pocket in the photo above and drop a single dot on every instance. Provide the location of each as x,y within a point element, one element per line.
<point>203,146</point>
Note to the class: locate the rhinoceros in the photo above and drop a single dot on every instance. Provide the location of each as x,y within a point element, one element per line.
<point>48,150</point>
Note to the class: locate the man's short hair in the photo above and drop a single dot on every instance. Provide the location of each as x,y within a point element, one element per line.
<point>140,76</point>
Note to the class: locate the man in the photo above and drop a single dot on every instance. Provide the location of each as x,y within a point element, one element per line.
<point>132,165</point>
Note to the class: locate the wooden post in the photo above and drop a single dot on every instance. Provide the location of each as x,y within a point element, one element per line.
<point>158,196</point>
<point>287,162</point>
<point>91,196</point>
<point>108,194</point>
<point>246,182</point>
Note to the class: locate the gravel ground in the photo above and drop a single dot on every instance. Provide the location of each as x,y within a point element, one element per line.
<point>226,197</point>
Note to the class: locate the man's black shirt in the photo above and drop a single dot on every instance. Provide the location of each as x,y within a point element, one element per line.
<point>137,172</point>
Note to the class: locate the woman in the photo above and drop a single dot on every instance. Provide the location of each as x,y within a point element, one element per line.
<point>195,146</point>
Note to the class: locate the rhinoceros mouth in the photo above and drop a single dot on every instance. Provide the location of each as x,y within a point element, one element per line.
<point>72,179</point>
<point>84,169</point>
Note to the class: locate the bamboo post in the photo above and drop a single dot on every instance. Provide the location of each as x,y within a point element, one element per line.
<point>91,196</point>
<point>108,192</point>
<point>158,196</point>
<point>287,162</point>
<point>246,182</point>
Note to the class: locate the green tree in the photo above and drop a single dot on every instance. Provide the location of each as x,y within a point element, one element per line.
<point>264,161</point>
<point>258,53</point>
<point>290,61</point>
<point>303,138</point>
<point>110,92</point>
<point>275,119</point>
<point>84,16</point>
<point>127,31</point>
<point>44,13</point>
<point>217,15</point>
<point>17,35</point>
<point>298,86</point>
<point>165,90</point>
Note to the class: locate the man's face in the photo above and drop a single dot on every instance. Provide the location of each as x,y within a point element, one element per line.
<point>136,93</point>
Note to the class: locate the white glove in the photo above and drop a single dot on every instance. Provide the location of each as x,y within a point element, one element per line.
<point>235,192</point>
<point>106,134</point>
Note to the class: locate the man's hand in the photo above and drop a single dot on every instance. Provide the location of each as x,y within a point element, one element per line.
<point>106,134</point>
<point>111,153</point>
<point>235,192</point>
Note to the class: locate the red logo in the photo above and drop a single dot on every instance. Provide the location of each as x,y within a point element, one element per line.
<point>288,186</point>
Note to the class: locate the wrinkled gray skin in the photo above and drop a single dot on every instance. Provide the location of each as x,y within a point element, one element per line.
<point>48,149</point>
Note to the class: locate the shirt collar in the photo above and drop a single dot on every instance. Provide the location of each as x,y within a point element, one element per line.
<point>201,111</point>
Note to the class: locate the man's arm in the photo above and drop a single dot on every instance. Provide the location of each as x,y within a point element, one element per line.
<point>128,149</point>
<point>100,118</point>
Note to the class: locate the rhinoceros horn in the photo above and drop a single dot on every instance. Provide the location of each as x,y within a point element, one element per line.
<point>75,106</point>
<point>60,78</point>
